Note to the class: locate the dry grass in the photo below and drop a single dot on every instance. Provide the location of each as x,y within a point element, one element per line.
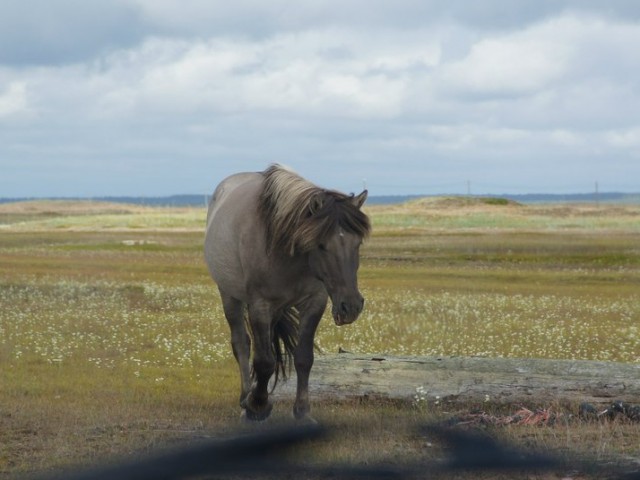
<point>112,341</point>
<point>480,214</point>
<point>70,208</point>
<point>73,215</point>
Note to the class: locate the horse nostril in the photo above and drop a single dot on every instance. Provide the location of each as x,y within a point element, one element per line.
<point>352,307</point>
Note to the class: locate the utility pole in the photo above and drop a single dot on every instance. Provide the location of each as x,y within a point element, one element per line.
<point>597,195</point>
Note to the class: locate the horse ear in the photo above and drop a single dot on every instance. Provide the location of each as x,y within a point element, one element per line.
<point>316,203</point>
<point>360,199</point>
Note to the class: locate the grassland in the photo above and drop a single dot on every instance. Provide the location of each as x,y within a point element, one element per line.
<point>112,339</point>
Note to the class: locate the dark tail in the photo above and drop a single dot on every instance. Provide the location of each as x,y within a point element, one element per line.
<point>284,338</point>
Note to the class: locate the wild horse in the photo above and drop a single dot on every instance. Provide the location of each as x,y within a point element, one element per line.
<point>278,247</point>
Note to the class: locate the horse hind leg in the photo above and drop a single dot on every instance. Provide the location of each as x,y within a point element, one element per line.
<point>234,311</point>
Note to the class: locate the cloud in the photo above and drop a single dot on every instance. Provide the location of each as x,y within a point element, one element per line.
<point>258,19</point>
<point>13,100</point>
<point>48,32</point>
<point>509,65</point>
<point>511,79</point>
<point>329,72</point>
<point>412,95</point>
<point>625,139</point>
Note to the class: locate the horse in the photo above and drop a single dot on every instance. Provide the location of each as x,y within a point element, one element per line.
<point>278,247</point>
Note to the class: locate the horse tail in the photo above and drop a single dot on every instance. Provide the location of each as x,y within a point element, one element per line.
<point>284,341</point>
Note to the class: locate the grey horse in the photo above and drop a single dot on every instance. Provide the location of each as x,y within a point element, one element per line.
<point>278,247</point>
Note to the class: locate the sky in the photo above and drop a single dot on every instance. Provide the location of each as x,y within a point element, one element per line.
<point>163,97</point>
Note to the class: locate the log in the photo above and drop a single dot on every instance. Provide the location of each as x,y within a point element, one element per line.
<point>470,379</point>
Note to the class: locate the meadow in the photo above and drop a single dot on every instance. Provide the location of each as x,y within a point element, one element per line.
<point>113,342</point>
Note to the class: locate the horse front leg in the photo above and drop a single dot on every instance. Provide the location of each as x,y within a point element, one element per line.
<point>258,407</point>
<point>310,315</point>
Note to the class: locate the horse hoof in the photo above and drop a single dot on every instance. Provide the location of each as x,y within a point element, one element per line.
<point>261,415</point>
<point>306,420</point>
<point>251,419</point>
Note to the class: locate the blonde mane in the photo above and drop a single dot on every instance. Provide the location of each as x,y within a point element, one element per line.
<point>299,215</point>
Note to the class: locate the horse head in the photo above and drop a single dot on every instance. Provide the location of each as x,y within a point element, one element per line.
<point>335,261</point>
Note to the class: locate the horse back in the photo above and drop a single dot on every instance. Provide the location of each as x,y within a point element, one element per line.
<point>224,189</point>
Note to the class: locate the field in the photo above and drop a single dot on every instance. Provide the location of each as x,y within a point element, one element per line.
<point>113,342</point>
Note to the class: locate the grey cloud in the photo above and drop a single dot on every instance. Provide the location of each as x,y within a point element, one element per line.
<point>256,18</point>
<point>510,14</point>
<point>48,32</point>
<point>159,97</point>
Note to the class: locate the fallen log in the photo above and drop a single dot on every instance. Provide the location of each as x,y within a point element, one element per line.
<point>470,379</point>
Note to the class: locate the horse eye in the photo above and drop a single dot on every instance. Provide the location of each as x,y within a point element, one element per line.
<point>322,247</point>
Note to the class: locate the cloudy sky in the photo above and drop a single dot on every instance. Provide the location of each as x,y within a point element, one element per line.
<point>161,97</point>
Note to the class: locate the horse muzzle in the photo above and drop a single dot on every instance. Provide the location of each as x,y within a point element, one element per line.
<point>347,310</point>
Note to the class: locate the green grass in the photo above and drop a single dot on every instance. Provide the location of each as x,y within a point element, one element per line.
<point>112,338</point>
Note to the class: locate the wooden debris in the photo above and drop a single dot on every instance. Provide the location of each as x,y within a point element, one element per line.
<point>471,379</point>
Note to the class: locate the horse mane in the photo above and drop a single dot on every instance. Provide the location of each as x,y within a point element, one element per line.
<point>299,215</point>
